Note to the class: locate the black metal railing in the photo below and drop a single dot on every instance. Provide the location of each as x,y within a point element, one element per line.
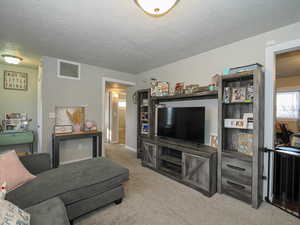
<point>286,179</point>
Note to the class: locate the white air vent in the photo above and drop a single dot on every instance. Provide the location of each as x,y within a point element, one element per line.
<point>68,70</point>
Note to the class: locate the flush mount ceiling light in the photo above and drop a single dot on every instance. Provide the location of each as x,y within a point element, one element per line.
<point>156,8</point>
<point>12,59</point>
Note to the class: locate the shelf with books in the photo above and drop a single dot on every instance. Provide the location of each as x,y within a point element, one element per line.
<point>241,113</point>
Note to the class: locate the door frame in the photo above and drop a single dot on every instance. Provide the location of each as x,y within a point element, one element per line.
<point>270,106</point>
<point>39,128</point>
<point>102,110</point>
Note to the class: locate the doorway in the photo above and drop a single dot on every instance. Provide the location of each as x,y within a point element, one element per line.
<point>283,123</point>
<point>115,111</point>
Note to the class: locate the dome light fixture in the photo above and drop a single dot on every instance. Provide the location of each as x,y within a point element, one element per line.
<point>156,8</point>
<point>11,59</point>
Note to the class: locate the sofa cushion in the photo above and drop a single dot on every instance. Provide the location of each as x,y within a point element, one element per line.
<point>12,215</point>
<point>50,212</point>
<point>72,182</point>
<point>12,171</point>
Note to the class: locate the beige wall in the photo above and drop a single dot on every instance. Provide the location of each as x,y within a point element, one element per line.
<point>65,92</point>
<point>19,101</point>
<point>122,120</point>
<point>200,68</point>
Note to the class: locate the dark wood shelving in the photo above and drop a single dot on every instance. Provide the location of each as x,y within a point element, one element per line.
<point>171,159</point>
<point>171,172</point>
<point>240,164</point>
<point>200,95</point>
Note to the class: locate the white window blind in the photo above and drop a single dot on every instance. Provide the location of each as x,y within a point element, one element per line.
<point>288,104</point>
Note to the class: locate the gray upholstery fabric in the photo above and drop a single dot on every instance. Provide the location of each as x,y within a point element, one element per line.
<point>69,181</point>
<point>51,212</point>
<point>90,191</point>
<point>85,206</point>
<point>36,163</point>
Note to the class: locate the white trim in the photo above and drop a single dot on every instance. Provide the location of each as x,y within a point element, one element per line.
<point>75,160</point>
<point>108,79</point>
<point>39,128</point>
<point>270,98</point>
<point>104,80</point>
<point>130,148</point>
<point>70,62</point>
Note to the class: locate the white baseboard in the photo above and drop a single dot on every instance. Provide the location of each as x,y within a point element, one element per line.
<point>130,148</point>
<point>76,160</point>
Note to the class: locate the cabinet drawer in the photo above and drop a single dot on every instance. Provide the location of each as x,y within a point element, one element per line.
<point>238,170</point>
<point>236,190</point>
<point>16,138</point>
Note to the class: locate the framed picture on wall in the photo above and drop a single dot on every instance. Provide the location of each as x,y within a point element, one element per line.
<point>15,80</point>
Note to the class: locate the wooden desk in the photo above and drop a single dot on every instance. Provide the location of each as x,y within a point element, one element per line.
<point>57,138</point>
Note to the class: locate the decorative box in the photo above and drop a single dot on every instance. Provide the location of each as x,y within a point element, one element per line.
<point>245,143</point>
<point>234,123</point>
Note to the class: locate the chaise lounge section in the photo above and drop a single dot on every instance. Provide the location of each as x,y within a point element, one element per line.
<point>82,186</point>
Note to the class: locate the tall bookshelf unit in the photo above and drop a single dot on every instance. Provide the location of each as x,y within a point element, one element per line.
<point>143,117</point>
<point>240,175</point>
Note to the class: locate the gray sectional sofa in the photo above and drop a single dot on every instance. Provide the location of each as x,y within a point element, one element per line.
<point>77,188</point>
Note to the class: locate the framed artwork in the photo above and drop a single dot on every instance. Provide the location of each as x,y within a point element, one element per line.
<point>15,80</point>
<point>69,115</point>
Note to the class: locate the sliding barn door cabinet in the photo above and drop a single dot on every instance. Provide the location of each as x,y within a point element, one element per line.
<point>192,165</point>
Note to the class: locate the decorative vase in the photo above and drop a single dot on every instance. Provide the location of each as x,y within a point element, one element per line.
<point>77,127</point>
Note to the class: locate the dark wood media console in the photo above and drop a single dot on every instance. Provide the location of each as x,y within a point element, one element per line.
<point>190,164</point>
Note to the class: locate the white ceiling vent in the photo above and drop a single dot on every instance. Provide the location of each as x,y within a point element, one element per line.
<point>68,69</point>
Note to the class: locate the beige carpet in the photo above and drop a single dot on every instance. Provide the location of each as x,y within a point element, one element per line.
<point>153,199</point>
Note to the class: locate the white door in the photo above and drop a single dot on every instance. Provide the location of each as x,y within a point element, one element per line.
<point>39,110</point>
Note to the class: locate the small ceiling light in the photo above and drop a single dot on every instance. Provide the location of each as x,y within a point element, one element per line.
<point>12,59</point>
<point>156,8</point>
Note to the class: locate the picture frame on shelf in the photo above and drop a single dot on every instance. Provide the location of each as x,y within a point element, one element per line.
<point>227,95</point>
<point>145,128</point>
<point>238,94</point>
<point>213,141</point>
<point>245,143</point>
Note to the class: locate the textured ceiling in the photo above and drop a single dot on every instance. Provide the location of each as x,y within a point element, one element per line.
<point>116,34</point>
<point>288,64</point>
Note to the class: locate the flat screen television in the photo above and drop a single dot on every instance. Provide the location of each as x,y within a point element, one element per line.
<point>186,123</point>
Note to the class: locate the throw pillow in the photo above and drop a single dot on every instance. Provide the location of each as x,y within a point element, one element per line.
<point>12,171</point>
<point>12,215</point>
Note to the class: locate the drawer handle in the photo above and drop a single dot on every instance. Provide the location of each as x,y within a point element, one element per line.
<point>238,186</point>
<point>235,167</point>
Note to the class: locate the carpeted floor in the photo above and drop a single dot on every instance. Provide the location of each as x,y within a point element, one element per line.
<point>153,199</point>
